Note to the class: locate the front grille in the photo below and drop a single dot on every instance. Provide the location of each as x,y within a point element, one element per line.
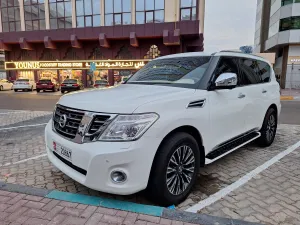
<point>73,121</point>
<point>96,124</point>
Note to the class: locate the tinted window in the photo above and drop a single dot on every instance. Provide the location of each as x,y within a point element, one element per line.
<point>249,71</point>
<point>181,72</point>
<point>70,81</point>
<point>264,71</point>
<point>45,81</point>
<point>23,80</point>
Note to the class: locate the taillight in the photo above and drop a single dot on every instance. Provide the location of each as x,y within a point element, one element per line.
<point>75,85</point>
<point>96,85</point>
<point>62,85</point>
<point>50,83</point>
<point>38,83</point>
<point>26,82</point>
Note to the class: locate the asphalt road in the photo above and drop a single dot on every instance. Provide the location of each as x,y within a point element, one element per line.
<point>290,113</point>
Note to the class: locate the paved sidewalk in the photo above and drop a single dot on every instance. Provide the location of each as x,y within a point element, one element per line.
<point>17,209</point>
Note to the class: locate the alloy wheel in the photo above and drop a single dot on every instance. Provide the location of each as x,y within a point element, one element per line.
<point>271,127</point>
<point>180,170</point>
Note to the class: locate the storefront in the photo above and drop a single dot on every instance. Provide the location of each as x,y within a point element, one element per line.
<point>87,71</point>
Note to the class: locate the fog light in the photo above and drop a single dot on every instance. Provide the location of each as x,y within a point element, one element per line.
<point>118,176</point>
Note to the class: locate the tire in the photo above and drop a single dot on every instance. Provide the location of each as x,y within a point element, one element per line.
<point>158,190</point>
<point>62,92</point>
<point>53,89</point>
<point>269,128</point>
<point>38,90</point>
<point>15,90</point>
<point>1,88</point>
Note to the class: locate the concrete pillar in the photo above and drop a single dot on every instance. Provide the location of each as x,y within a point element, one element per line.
<point>73,13</point>
<point>0,22</point>
<point>102,12</point>
<point>201,14</point>
<point>22,15</point>
<point>172,8</point>
<point>132,11</point>
<point>47,15</point>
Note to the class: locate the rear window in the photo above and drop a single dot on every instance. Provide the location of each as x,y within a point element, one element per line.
<point>70,81</point>
<point>45,81</point>
<point>22,80</point>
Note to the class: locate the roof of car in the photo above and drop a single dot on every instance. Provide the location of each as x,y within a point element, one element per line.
<point>221,53</point>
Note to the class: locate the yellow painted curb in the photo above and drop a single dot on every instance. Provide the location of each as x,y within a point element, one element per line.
<point>286,98</point>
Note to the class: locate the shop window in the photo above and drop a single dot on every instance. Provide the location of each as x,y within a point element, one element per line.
<point>96,54</point>
<point>149,11</point>
<point>88,13</point>
<point>117,12</point>
<point>47,55</point>
<point>48,74</point>
<point>34,12</point>
<point>188,9</point>
<point>71,54</point>
<point>124,53</point>
<point>25,75</point>
<point>289,23</point>
<point>10,15</point>
<point>152,53</point>
<point>60,14</point>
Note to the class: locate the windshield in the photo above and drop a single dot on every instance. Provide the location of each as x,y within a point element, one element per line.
<point>178,72</point>
<point>70,81</point>
<point>23,80</point>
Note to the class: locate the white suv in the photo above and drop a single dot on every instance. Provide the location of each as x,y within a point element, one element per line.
<point>176,114</point>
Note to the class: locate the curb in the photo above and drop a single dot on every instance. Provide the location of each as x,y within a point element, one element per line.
<point>287,97</point>
<point>122,205</point>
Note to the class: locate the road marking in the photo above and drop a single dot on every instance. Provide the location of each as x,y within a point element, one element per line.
<point>243,180</point>
<point>24,160</point>
<point>6,113</point>
<point>32,125</point>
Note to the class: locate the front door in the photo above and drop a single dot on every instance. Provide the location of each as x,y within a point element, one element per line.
<point>228,108</point>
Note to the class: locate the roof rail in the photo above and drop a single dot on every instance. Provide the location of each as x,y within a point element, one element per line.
<point>240,52</point>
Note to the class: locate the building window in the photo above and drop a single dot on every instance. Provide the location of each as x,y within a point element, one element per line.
<point>117,12</point>
<point>10,13</point>
<point>290,23</point>
<point>188,9</point>
<point>60,14</point>
<point>34,11</point>
<point>88,13</point>
<point>149,11</point>
<point>287,2</point>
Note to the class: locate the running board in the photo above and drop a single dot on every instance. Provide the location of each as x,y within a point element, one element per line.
<point>231,146</point>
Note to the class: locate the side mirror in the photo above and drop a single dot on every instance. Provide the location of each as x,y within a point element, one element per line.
<point>226,81</point>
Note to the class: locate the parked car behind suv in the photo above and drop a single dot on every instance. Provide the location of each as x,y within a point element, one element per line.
<point>71,85</point>
<point>47,85</point>
<point>101,83</point>
<point>5,85</point>
<point>24,84</point>
<point>175,115</point>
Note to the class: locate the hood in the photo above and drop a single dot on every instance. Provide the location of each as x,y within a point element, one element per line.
<point>121,99</point>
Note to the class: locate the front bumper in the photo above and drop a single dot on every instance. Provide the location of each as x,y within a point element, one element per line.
<point>99,159</point>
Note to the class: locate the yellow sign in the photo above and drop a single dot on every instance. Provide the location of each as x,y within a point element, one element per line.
<point>100,64</point>
<point>294,60</point>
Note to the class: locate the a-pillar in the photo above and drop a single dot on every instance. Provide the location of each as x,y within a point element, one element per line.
<point>111,79</point>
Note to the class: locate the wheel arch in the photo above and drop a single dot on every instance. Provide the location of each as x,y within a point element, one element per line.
<point>193,132</point>
<point>274,106</point>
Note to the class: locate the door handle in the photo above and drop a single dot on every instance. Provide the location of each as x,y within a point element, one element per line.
<point>241,95</point>
<point>264,91</point>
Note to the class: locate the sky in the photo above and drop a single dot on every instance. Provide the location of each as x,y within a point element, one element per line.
<point>229,24</point>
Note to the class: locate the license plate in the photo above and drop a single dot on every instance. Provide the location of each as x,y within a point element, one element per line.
<point>44,84</point>
<point>62,151</point>
<point>69,85</point>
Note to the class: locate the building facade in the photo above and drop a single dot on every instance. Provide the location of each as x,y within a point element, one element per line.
<point>95,39</point>
<point>278,30</point>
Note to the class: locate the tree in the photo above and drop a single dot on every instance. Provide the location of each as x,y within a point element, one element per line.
<point>246,49</point>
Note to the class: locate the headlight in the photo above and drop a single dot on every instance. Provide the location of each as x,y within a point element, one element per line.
<point>128,127</point>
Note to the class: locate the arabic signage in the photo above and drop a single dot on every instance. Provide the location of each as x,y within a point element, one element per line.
<point>294,60</point>
<point>99,64</point>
